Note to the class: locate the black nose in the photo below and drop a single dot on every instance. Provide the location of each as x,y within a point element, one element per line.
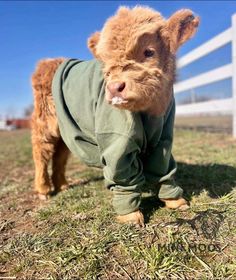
<point>121,87</point>
<point>115,87</point>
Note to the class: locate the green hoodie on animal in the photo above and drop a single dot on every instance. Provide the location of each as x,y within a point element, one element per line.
<point>134,149</point>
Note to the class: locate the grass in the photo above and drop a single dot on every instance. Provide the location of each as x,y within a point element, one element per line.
<point>206,123</point>
<point>74,235</point>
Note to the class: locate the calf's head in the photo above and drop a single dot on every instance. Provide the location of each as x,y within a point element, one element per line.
<point>137,48</point>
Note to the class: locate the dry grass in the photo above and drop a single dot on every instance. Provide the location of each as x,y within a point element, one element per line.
<point>208,123</point>
<point>74,236</point>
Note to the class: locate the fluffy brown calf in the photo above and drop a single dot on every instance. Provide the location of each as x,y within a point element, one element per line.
<point>137,49</point>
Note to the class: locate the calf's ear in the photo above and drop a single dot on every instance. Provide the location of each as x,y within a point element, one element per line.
<point>92,43</point>
<point>180,27</point>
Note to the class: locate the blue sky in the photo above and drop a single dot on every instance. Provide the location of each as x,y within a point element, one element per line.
<point>31,30</point>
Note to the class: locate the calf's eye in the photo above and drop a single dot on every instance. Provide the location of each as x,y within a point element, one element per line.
<point>149,53</point>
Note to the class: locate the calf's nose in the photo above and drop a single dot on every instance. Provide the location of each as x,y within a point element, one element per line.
<point>116,87</point>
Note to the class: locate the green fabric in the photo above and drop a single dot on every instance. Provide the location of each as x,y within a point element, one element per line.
<point>134,149</point>
<point>169,189</point>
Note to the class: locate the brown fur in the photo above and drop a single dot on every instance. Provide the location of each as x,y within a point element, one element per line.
<point>46,141</point>
<point>120,46</point>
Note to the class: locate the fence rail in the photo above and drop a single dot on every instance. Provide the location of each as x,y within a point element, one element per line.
<point>222,106</point>
<point>206,78</point>
<point>218,41</point>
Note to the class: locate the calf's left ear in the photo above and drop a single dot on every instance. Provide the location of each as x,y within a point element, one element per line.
<point>92,43</point>
<point>180,27</point>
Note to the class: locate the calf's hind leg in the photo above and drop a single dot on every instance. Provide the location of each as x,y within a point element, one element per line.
<point>45,131</point>
<point>42,154</point>
<point>59,161</point>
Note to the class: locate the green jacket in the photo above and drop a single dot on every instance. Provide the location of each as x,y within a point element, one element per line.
<point>134,149</point>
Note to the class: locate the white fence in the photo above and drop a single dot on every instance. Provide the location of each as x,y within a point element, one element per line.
<point>222,106</point>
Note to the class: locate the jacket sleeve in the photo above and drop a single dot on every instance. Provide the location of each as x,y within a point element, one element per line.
<point>159,165</point>
<point>123,170</point>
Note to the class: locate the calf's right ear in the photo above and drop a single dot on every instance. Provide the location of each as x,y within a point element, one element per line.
<point>92,43</point>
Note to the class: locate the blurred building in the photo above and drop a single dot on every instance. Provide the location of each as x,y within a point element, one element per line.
<point>11,124</point>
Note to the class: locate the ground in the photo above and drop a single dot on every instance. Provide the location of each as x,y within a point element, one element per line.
<point>74,235</point>
<point>206,123</point>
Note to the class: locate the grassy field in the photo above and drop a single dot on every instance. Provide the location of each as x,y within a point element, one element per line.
<point>208,123</point>
<point>74,235</point>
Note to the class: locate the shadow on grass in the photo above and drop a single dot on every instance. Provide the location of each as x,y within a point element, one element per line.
<point>205,223</point>
<point>86,181</point>
<point>149,205</point>
<point>216,179</point>
<point>81,183</point>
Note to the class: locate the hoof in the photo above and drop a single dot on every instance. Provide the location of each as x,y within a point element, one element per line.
<point>135,218</point>
<point>183,207</point>
<point>178,204</point>
<point>43,197</point>
<point>64,187</point>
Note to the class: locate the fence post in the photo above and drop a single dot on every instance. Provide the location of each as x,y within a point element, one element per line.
<point>234,72</point>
